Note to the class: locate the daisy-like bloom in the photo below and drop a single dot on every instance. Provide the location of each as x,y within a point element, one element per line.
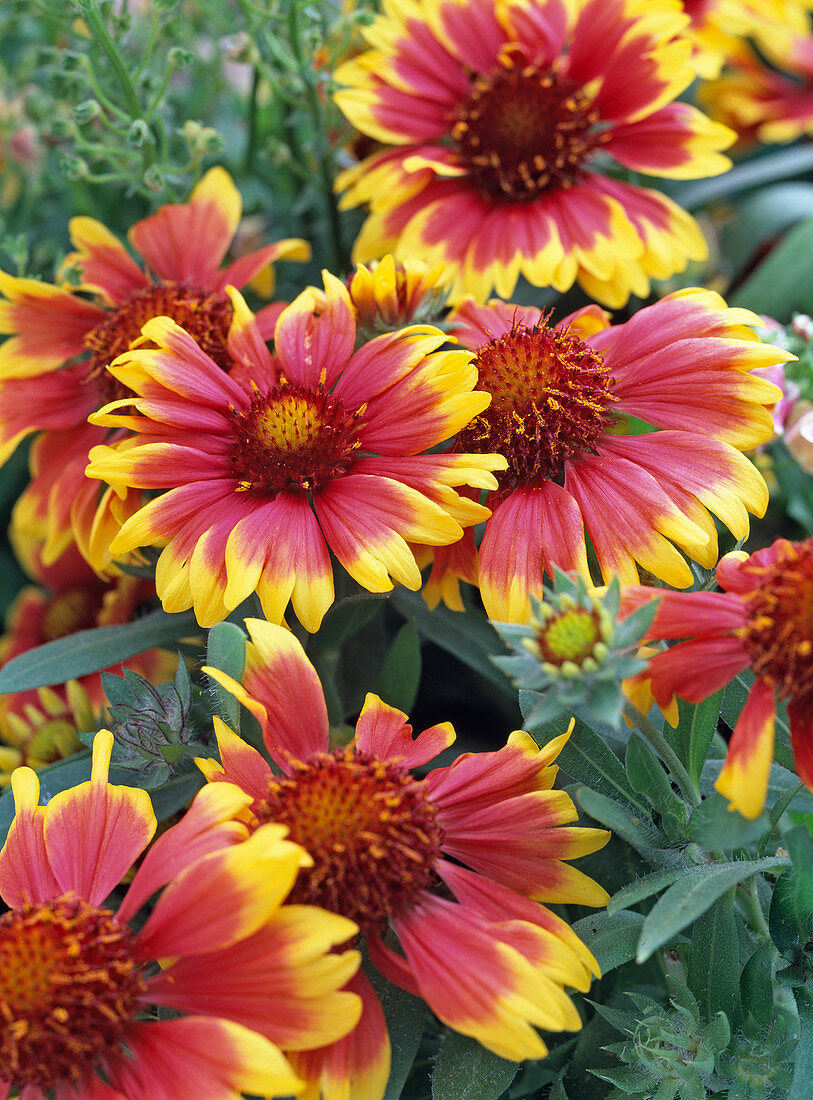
<point>763,621</point>
<point>500,120</point>
<point>316,449</point>
<point>718,27</point>
<point>567,403</point>
<point>456,864</point>
<point>40,725</point>
<point>79,980</point>
<point>53,368</point>
<point>766,103</point>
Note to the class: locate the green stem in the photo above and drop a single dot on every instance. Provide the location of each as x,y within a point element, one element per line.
<point>658,742</point>
<point>96,23</point>
<point>748,898</point>
<point>251,142</point>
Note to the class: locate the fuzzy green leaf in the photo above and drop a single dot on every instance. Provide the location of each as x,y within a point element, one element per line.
<point>644,888</point>
<point>587,758</point>
<point>464,1070</point>
<point>226,651</point>
<point>714,975</point>
<point>756,987</point>
<point>612,937</point>
<point>692,895</point>
<point>92,650</point>
<point>792,902</point>
<point>803,1058</point>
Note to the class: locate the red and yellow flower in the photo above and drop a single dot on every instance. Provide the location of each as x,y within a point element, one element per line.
<point>763,621</point>
<point>769,103</point>
<point>53,367</point>
<point>79,981</point>
<point>499,120</point>
<point>575,408</point>
<point>457,863</point>
<point>718,27</point>
<point>39,726</point>
<point>316,449</point>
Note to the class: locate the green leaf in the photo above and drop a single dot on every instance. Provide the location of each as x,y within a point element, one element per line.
<point>401,672</point>
<point>464,1070</point>
<point>468,636</point>
<point>648,776</point>
<point>638,832</point>
<point>226,651</point>
<point>92,650</point>
<point>557,1091</point>
<point>612,937</point>
<point>756,987</point>
<point>715,827</point>
<point>586,758</point>
<point>701,727</point>
<point>782,282</point>
<point>803,1072</point>
<point>714,974</point>
<point>347,617</point>
<point>792,901</point>
<point>405,1017</point>
<point>762,216</point>
<point>643,888</point>
<point>692,895</point>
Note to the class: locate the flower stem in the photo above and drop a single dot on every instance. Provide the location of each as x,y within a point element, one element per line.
<point>661,746</point>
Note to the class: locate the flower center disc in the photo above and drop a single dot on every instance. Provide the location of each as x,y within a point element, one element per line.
<point>523,129</point>
<point>204,314</point>
<point>779,631</point>
<point>569,636</point>
<point>293,438</point>
<point>68,987</point>
<point>369,827</point>
<point>550,396</point>
<point>70,611</point>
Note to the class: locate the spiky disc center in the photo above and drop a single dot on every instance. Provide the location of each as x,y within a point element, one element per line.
<point>293,437</point>
<point>206,315</point>
<point>569,636</point>
<point>370,828</point>
<point>550,398</point>
<point>524,129</point>
<point>779,631</point>
<point>68,987</point>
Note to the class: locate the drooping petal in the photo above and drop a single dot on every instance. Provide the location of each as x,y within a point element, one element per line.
<point>478,985</point>
<point>283,981</point>
<point>531,531</point>
<point>697,668</point>
<point>115,825</point>
<point>232,892</point>
<point>208,825</point>
<point>358,1064</point>
<point>744,778</point>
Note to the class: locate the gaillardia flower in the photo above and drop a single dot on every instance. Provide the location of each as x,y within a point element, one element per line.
<point>53,368</point>
<point>456,864</point>
<point>718,27</point>
<point>317,448</point>
<point>500,121</point>
<point>79,981</point>
<point>766,101</point>
<point>763,621</point>
<point>574,407</point>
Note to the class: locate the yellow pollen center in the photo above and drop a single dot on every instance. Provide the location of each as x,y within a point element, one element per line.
<point>293,438</point>
<point>569,637</point>
<point>369,827</point>
<point>69,611</point>
<point>68,987</point>
<point>779,632</point>
<point>206,315</point>
<point>523,130</point>
<point>550,399</point>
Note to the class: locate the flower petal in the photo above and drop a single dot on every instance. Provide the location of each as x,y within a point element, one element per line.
<point>744,778</point>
